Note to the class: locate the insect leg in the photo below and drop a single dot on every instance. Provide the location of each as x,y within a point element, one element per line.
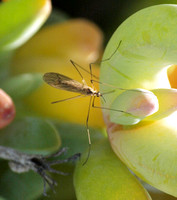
<point>108,85</point>
<point>75,97</point>
<point>90,65</point>
<point>70,159</point>
<point>44,190</point>
<point>75,65</point>
<point>58,153</point>
<point>93,105</point>
<point>88,131</point>
<point>91,78</point>
<point>132,90</point>
<point>112,53</point>
<point>47,179</point>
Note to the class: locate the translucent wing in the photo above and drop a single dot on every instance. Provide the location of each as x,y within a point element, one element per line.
<point>60,81</point>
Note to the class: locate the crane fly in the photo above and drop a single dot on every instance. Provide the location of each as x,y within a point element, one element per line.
<point>63,82</point>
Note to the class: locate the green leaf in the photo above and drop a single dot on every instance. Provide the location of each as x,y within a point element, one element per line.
<point>75,137</point>
<point>22,85</point>
<point>20,20</point>
<point>31,135</point>
<point>145,52</point>
<point>26,186</point>
<point>149,150</point>
<point>65,189</point>
<point>105,177</point>
<point>148,48</point>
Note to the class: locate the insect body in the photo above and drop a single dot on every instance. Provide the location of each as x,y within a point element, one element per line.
<point>62,82</point>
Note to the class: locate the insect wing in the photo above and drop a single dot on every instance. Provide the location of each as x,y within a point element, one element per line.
<point>60,81</point>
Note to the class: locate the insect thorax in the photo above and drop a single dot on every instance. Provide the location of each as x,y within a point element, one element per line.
<point>89,91</point>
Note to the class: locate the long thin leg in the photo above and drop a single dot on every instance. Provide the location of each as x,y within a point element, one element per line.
<point>74,64</point>
<point>93,106</point>
<point>75,97</point>
<point>109,92</point>
<point>90,65</point>
<point>57,172</point>
<point>132,90</point>
<point>109,85</point>
<point>70,159</point>
<point>112,53</point>
<point>88,131</point>
<point>44,191</point>
<point>77,65</point>
<point>58,153</point>
<point>91,76</point>
<point>47,179</point>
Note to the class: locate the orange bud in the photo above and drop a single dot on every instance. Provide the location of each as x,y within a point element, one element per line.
<point>7,109</point>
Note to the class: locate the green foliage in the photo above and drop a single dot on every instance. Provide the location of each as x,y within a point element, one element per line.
<point>105,177</point>
<point>32,135</point>
<point>26,186</point>
<point>22,85</point>
<point>148,48</point>
<point>19,21</point>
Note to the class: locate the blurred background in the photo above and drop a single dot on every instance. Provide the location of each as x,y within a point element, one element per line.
<point>108,15</point>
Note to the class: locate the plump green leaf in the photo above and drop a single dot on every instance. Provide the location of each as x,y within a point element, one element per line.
<point>20,20</point>
<point>149,150</point>
<point>105,177</point>
<point>65,189</point>
<point>22,85</point>
<point>26,186</point>
<point>148,48</point>
<point>32,135</point>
